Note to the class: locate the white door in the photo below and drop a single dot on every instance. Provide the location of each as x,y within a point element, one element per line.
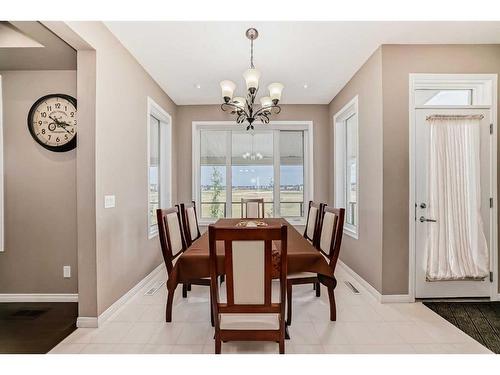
<point>456,288</point>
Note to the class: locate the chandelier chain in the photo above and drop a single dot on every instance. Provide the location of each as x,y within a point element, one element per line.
<point>251,54</point>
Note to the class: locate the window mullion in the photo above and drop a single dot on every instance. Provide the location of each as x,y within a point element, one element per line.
<point>276,172</point>
<point>229,182</point>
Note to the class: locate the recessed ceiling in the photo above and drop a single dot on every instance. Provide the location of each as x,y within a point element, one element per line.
<point>314,60</point>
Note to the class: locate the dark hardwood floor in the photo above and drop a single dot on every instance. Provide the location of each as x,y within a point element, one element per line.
<point>35,328</point>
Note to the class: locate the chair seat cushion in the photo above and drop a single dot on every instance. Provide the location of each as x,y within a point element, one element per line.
<point>249,321</point>
<point>301,275</point>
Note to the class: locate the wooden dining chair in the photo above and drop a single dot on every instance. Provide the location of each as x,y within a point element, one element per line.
<point>330,239</point>
<point>249,313</point>
<point>311,231</point>
<point>252,208</point>
<point>190,222</point>
<point>172,246</point>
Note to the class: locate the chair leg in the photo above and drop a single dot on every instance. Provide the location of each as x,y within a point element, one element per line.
<point>333,309</point>
<point>289,303</point>
<point>222,279</point>
<point>211,311</point>
<point>170,300</point>
<point>184,291</point>
<point>218,344</point>
<point>282,346</point>
<point>189,287</point>
<point>318,289</point>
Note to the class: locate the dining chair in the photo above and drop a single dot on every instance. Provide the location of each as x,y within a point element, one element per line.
<point>330,239</point>
<point>311,231</point>
<point>248,313</point>
<point>252,208</point>
<point>172,246</point>
<point>190,222</point>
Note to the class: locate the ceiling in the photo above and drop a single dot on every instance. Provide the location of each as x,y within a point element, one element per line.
<point>189,59</point>
<point>28,45</point>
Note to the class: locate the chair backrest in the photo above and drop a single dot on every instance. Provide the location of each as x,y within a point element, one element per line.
<point>190,222</point>
<point>171,238</point>
<point>312,230</point>
<point>248,268</point>
<point>252,208</point>
<point>332,229</point>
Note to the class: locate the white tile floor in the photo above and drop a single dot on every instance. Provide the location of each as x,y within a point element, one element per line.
<point>363,326</point>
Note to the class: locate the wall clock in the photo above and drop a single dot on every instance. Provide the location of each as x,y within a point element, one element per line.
<point>52,122</point>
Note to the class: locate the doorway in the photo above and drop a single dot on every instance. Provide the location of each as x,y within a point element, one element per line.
<point>453,246</point>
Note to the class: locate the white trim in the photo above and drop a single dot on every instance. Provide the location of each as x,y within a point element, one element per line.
<point>95,322</point>
<point>155,110</point>
<point>306,126</point>
<point>346,112</point>
<point>86,322</point>
<point>2,229</point>
<point>381,298</point>
<point>485,96</point>
<point>39,297</point>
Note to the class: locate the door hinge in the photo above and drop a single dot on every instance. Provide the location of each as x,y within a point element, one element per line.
<point>491,128</point>
<point>491,277</point>
<point>491,202</point>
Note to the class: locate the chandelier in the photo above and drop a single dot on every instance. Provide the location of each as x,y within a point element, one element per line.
<point>246,109</point>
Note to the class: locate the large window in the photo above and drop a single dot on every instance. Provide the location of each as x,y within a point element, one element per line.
<point>159,163</point>
<point>347,164</point>
<point>270,162</point>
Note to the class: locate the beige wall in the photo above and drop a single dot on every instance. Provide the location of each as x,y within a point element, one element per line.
<point>316,113</point>
<point>364,255</point>
<point>124,254</point>
<point>397,62</point>
<point>40,192</point>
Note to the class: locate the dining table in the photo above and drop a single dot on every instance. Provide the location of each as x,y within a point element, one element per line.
<point>302,256</point>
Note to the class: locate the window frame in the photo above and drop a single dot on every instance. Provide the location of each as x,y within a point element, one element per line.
<point>165,163</point>
<point>306,126</point>
<point>339,176</point>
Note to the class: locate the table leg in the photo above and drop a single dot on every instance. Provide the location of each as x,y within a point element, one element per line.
<point>287,334</point>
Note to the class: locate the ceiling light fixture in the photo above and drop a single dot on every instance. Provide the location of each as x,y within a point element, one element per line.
<point>246,109</point>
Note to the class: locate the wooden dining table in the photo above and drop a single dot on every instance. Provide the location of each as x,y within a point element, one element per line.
<point>302,256</point>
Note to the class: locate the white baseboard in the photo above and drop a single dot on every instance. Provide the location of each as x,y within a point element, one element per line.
<point>382,298</point>
<point>91,322</point>
<point>86,322</point>
<point>39,297</point>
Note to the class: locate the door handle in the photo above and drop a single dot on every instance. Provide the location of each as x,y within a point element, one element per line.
<point>423,219</point>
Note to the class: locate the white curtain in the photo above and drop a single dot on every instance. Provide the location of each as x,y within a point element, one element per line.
<point>456,246</point>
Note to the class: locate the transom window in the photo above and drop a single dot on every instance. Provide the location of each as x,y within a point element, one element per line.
<point>271,162</point>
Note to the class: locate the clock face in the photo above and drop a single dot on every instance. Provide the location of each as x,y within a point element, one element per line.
<point>52,122</point>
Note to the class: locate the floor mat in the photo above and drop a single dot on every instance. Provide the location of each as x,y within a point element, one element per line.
<point>480,320</point>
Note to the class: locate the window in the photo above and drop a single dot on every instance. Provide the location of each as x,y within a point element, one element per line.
<point>347,164</point>
<point>443,97</point>
<point>159,163</point>
<point>271,162</point>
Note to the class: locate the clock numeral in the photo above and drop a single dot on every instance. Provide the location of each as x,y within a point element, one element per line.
<point>58,105</point>
<point>43,132</point>
<point>50,136</point>
<point>58,140</point>
<point>43,114</point>
<point>40,122</point>
<point>72,114</point>
<point>49,108</point>
<point>65,136</point>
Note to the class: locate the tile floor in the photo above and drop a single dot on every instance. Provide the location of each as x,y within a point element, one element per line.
<point>363,326</point>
